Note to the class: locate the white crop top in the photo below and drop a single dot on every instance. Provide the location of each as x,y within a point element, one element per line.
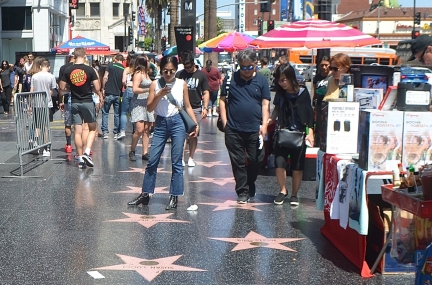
<point>164,108</point>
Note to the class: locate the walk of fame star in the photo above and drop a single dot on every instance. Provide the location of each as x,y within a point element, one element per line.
<point>142,170</point>
<point>147,220</point>
<point>138,190</point>
<point>230,204</point>
<point>210,164</point>
<point>149,268</point>
<point>208,151</point>
<point>253,239</point>
<point>218,181</point>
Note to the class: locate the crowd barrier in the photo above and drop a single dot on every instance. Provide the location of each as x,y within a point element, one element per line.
<point>32,123</point>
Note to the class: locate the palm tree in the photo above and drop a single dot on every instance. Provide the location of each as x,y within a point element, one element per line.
<point>154,9</point>
<point>173,20</point>
<point>212,30</point>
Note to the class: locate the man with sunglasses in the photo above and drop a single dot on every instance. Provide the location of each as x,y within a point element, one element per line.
<point>198,89</point>
<point>421,49</point>
<point>245,109</point>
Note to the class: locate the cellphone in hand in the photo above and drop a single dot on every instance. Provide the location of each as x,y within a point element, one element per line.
<point>169,86</point>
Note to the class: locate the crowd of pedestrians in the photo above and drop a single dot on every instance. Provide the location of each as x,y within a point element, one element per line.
<point>150,96</point>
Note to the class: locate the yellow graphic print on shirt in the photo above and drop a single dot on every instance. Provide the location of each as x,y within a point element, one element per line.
<point>78,77</point>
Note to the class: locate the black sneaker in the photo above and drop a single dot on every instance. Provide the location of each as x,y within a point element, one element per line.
<point>294,201</point>
<point>87,159</point>
<point>132,156</point>
<point>243,198</point>
<point>145,156</point>
<point>82,165</point>
<point>280,198</point>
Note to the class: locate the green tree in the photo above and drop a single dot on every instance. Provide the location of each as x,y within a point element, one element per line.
<point>154,9</point>
<point>220,29</point>
<point>148,43</point>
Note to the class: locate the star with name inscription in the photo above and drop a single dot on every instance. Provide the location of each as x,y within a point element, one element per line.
<point>142,170</point>
<point>218,181</point>
<point>149,268</point>
<point>148,220</point>
<point>210,164</point>
<point>138,190</point>
<point>253,239</point>
<point>230,204</point>
<point>207,151</point>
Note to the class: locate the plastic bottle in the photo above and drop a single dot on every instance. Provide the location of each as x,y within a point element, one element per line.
<point>412,187</point>
<point>403,183</point>
<point>396,178</point>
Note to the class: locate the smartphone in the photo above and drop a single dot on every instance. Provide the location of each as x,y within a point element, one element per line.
<point>169,86</point>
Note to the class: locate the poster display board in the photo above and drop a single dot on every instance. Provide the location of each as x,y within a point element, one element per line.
<point>342,127</point>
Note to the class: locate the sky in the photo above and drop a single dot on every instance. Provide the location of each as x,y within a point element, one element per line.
<point>404,3</point>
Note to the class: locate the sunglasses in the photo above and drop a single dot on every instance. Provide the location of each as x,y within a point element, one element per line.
<point>171,71</point>
<point>335,69</point>
<point>250,67</point>
<point>422,61</point>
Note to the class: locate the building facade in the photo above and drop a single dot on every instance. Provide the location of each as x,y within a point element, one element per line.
<point>247,15</point>
<point>390,25</point>
<point>32,25</point>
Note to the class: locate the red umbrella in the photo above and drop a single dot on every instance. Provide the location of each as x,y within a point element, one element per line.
<point>314,34</point>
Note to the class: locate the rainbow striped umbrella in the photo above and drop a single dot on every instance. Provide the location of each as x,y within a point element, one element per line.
<point>230,42</point>
<point>314,34</point>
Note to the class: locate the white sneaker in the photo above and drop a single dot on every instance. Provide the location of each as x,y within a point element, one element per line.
<point>46,153</point>
<point>191,162</point>
<point>183,163</point>
<point>121,135</point>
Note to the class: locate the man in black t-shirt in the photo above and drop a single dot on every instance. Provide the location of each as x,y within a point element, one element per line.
<point>112,88</point>
<point>80,78</point>
<point>198,89</point>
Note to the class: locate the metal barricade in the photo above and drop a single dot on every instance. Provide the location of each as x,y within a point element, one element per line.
<point>32,123</point>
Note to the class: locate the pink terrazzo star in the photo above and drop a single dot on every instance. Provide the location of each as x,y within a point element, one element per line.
<point>207,151</point>
<point>142,170</point>
<point>218,181</point>
<point>230,204</point>
<point>210,164</point>
<point>147,220</point>
<point>149,268</point>
<point>138,190</point>
<point>252,240</point>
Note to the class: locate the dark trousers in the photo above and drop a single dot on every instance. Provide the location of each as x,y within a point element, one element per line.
<point>241,147</point>
<point>5,97</point>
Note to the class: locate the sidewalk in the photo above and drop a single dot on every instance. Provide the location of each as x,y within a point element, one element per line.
<point>73,226</point>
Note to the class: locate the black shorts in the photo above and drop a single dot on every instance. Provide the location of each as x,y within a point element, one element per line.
<point>297,157</point>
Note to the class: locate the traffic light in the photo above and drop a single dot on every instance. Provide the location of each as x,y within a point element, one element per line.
<point>265,6</point>
<point>163,43</point>
<point>133,16</point>
<point>130,35</point>
<point>136,42</point>
<point>270,25</point>
<point>417,19</point>
<point>260,29</point>
<point>415,34</point>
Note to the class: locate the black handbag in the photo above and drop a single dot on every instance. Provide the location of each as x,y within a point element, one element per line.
<point>190,125</point>
<point>288,137</point>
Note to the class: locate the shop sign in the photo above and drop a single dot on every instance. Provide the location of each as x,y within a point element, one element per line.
<point>425,26</point>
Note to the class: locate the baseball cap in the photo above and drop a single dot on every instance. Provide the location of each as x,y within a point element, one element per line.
<point>420,44</point>
<point>71,52</point>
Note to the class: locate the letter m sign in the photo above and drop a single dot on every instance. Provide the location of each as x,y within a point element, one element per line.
<point>188,6</point>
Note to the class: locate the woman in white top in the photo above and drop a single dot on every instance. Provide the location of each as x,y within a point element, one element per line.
<point>168,124</point>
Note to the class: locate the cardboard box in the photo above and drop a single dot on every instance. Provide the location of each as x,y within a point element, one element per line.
<point>416,139</point>
<point>342,127</point>
<point>380,140</point>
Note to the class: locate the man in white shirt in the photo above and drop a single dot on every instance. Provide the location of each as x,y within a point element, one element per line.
<point>29,63</point>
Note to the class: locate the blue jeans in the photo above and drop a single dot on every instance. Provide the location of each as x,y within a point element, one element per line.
<point>213,99</point>
<point>127,97</point>
<point>164,128</point>
<point>108,101</point>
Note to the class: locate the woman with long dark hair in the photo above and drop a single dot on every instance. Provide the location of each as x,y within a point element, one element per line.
<point>292,104</point>
<point>168,124</point>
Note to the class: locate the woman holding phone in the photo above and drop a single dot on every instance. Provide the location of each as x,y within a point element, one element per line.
<point>140,115</point>
<point>168,124</point>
